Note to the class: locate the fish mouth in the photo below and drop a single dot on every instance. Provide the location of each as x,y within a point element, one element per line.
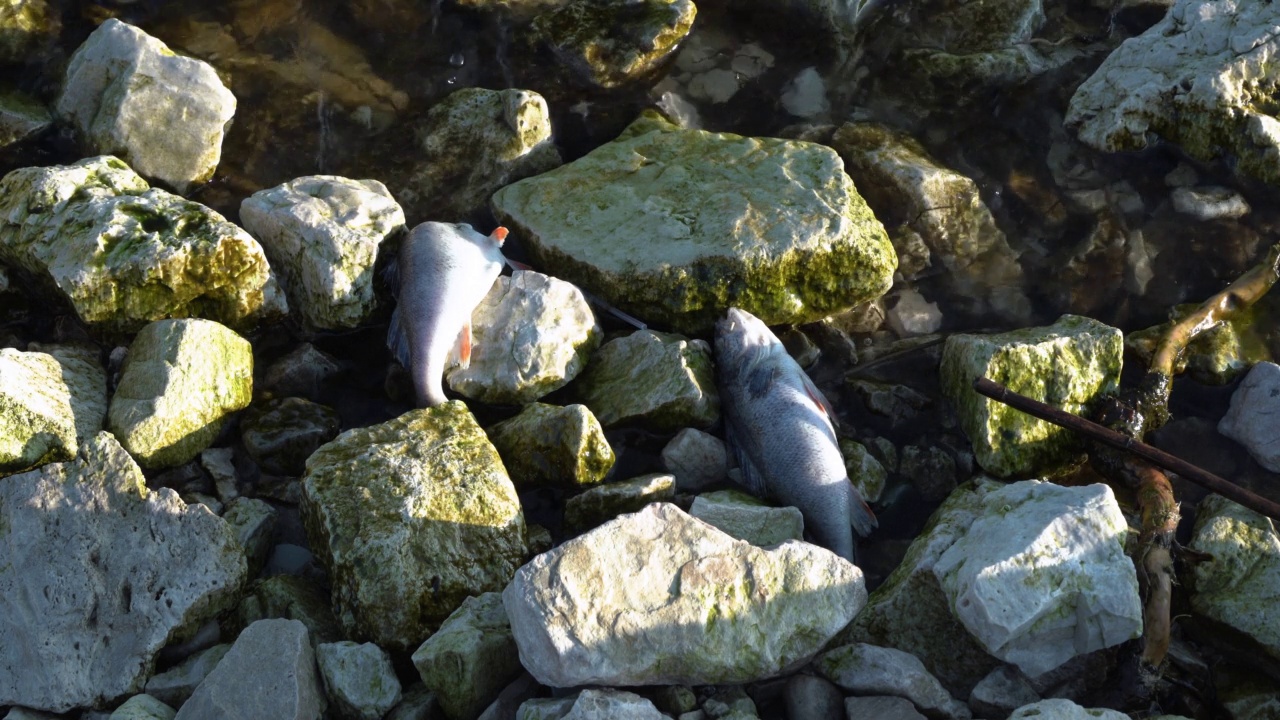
<point>749,329</point>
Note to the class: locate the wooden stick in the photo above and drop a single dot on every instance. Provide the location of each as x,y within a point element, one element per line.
<point>1094,431</point>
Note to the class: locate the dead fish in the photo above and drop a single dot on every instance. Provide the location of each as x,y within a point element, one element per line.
<point>442,273</point>
<point>779,428</point>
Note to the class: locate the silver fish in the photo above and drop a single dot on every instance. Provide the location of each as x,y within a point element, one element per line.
<point>779,428</point>
<point>442,274</point>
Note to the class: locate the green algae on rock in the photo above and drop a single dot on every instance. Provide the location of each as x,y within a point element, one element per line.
<point>124,254</point>
<point>1068,364</point>
<point>674,226</point>
<point>410,517</point>
<point>615,43</point>
<point>552,446</point>
<point>658,380</point>
<point>471,658</point>
<point>49,403</point>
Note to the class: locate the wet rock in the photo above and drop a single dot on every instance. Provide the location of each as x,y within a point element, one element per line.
<point>641,219</point>
<point>179,385</point>
<point>254,522</point>
<point>552,446</point>
<point>870,670</point>
<point>744,517</point>
<point>532,335</point>
<point>472,143</point>
<point>124,254</point>
<point>290,597</point>
<point>865,471</point>
<point>281,434</point>
<point>882,708</point>
<point>1059,709</point>
<point>49,404</point>
<point>88,596</point>
<point>608,45</point>
<point>1209,203</point>
<point>301,372</point>
<point>471,658</point>
<point>410,517</point>
<point>270,672</point>
<point>143,707</point>
<point>682,572</point>
<point>175,685</point>
<point>1219,354</point>
<point>1254,416</point>
<point>607,501</point>
<point>812,698</point>
<point>358,678</point>
<point>21,117</point>
<point>658,380</point>
<point>127,94</point>
<point>29,26</point>
<point>322,234</point>
<point>606,704</point>
<point>696,459</point>
<point>1067,364</point>
<point>1001,692</point>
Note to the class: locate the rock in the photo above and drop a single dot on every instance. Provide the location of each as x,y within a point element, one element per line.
<point>661,381</point>
<point>869,670</point>
<point>254,522</point>
<point>532,335</point>
<point>1059,709</point>
<point>608,704</point>
<point>696,458</point>
<point>744,517</point>
<point>610,45</point>
<point>219,463</point>
<point>473,142</point>
<point>1001,692</point>
<point>1067,364</point>
<point>143,707</point>
<point>25,714</point>
<point>806,95</point>
<point>270,672</point>
<point>49,404</point>
<point>1218,355</point>
<point>127,94</point>
<point>175,685</point>
<point>358,678</point>
<point>1254,417</point>
<point>1209,203</point>
<point>471,658</point>
<point>322,234</point>
<point>29,25</point>
<point>731,703</point>
<point>685,575</point>
<point>123,254</point>
<point>640,220</point>
<point>675,700</point>
<point>605,502</point>
<point>410,517</point>
<point>545,708</point>
<point>1188,80</point>
<point>291,598</point>
<point>280,434</point>
<point>812,698</point>
<point>100,572</point>
<point>1233,588</point>
<point>511,698</point>
<point>300,373</point>
<point>865,471</point>
<point>290,559</point>
<point>22,118</point>
<point>881,708</point>
<point>180,383</point>
<point>552,446</point>
<point>930,470</point>
<point>419,703</point>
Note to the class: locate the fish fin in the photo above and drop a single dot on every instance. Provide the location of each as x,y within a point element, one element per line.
<point>752,480</point>
<point>463,347</point>
<point>861,517</point>
<point>397,339</point>
<point>516,264</point>
<point>391,275</point>
<point>499,234</point>
<point>759,380</point>
<point>819,399</point>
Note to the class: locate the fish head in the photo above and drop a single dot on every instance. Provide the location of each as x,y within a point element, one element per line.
<point>741,337</point>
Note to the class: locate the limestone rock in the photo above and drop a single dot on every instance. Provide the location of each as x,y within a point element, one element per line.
<point>359,678</point>
<point>869,670</point>
<point>124,254</point>
<point>552,446</point>
<point>1002,692</point>
<point>143,707</point>
<point>49,403</point>
<point>21,117</point>
<point>1254,417</point>
<point>650,219</point>
<point>281,434</point>
<point>471,658</point>
<point>696,458</point>
<point>658,380</point>
<point>127,94</point>
<point>746,518</point>
<point>545,708</point>
<point>608,45</point>
<point>1067,364</point>
<point>99,573</point>
<point>410,517</point>
<point>1218,355</point>
<point>657,597</point>
<point>532,334</point>
<point>606,704</point>
<point>180,382</point>
<point>300,373</point>
<point>175,685</point>
<point>1062,709</point>
<point>607,501</point>
<point>254,522</point>
<point>865,471</point>
<point>322,234</point>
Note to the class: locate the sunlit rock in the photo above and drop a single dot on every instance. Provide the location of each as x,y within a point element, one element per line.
<point>49,403</point>
<point>658,597</point>
<point>410,517</point>
<point>532,334</point>
<point>607,45</point>
<point>675,225</point>
<point>124,254</point>
<point>181,381</point>
<point>21,118</point>
<point>322,234</point>
<point>1254,417</point>
<point>99,573</point>
<point>745,517</point>
<point>606,704</point>
<point>609,500</point>
<point>552,446</point>
<point>359,678</point>
<point>1068,364</point>
<point>657,380</point>
<point>471,658</point>
<point>869,670</point>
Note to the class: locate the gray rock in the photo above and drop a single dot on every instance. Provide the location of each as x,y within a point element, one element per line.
<point>612,705</point>
<point>49,404</point>
<point>639,220</point>
<point>552,446</point>
<point>270,672</point>
<point>292,598</point>
<point>696,458</point>
<point>471,658</point>
<point>127,94</point>
<point>290,559</point>
<point>865,471</point>
<point>1209,202</point>
<point>870,670</point>
<point>254,522</point>
<point>545,708</point>
<point>661,381</point>
<point>180,384</point>
<point>930,470</point>
<point>143,707</point>
<point>219,463</point>
<point>1060,709</point>
<point>280,434</point>
<point>555,334</point>
<point>811,698</point>
<point>605,502</point>
<point>97,582</point>
<point>175,685</point>
<point>418,703</point>
<point>511,698</point>
<point>675,700</point>
<point>300,373</point>
<point>322,234</point>
<point>359,679</point>
<point>1000,693</point>
<point>745,517</point>
<point>21,117</point>
<point>806,95</point>
<point>26,714</point>
<point>704,622</point>
<point>1254,417</point>
<point>881,708</point>
<point>730,702</point>
<point>609,45</point>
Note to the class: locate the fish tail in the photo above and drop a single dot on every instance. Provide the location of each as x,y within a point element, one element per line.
<point>860,515</point>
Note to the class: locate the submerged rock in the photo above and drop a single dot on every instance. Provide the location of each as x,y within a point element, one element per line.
<point>49,403</point>
<point>551,446</point>
<point>616,43</point>
<point>1254,415</point>
<point>471,658</point>
<point>661,381</point>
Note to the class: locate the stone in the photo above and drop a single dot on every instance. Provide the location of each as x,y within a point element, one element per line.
<point>281,433</point>
<point>127,94</point>
<point>657,597</point>
<point>99,573</point>
<point>1217,356</point>
<point>180,383</point>
<point>1209,202</point>
<point>642,220</point>
<point>30,26</point>
<point>322,234</point>
<point>806,95</point>
<point>1068,365</point>
<point>881,708</point>
<point>358,678</point>
<point>269,672</point>
<point>744,517</point>
<point>615,44</point>
<point>731,702</point>
<point>556,334</point>
<point>696,459</point>
<point>418,703</point>
<point>254,522</point>
<point>675,700</point>
<point>175,685</point>
<point>1001,692</point>
<point>1061,709</point>
<point>511,698</point>
<point>606,704</point>
<point>143,707</point>
<point>123,254</point>
<point>930,470</point>
<point>552,446</point>
<point>471,658</point>
<point>869,670</point>
<point>661,381</point>
<point>219,463</point>
<point>605,502</point>
<point>410,517</point>
<point>300,373</point>
<point>807,697</point>
<point>865,471</point>
<point>49,404</point>
<point>290,597</point>
<point>545,708</point>
<point>1254,417</point>
<point>22,118</point>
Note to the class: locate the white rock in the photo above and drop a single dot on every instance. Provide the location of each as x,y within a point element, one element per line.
<point>751,61</point>
<point>1209,203</point>
<point>869,670</point>
<point>657,597</point>
<point>806,95</point>
<point>746,518</point>
<point>913,315</point>
<point>715,86</point>
<point>128,94</point>
<point>696,458</point>
<point>359,679</point>
<point>1254,417</point>
<point>1060,709</point>
<point>143,707</point>
<point>612,705</point>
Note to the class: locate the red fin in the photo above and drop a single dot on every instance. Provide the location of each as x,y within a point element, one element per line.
<point>500,234</point>
<point>819,399</point>
<point>517,265</point>
<point>464,346</point>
